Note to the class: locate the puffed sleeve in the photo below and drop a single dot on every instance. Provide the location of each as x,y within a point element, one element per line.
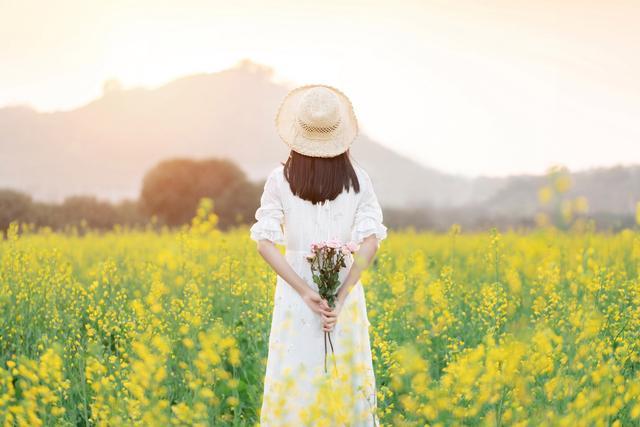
<point>270,214</point>
<point>368,218</point>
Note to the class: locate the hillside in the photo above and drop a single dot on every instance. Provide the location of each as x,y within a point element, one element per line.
<point>105,147</point>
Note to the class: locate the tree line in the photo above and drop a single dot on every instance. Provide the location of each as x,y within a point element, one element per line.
<point>170,194</point>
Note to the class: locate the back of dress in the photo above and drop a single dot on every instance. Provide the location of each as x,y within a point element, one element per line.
<point>349,217</point>
<point>296,337</point>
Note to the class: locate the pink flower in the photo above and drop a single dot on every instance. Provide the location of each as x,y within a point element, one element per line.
<point>352,246</point>
<point>317,247</point>
<point>333,244</point>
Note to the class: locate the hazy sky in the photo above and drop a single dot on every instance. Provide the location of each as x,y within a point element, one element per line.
<point>473,87</point>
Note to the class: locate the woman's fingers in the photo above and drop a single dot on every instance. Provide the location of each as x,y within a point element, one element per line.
<point>320,309</point>
<point>325,312</point>
<point>328,319</point>
<point>328,323</point>
<point>329,316</point>
<point>329,312</point>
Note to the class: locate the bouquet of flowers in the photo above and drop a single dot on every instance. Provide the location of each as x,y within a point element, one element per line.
<point>326,259</point>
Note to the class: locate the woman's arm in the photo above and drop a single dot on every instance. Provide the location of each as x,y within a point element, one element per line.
<point>361,260</point>
<point>274,258</point>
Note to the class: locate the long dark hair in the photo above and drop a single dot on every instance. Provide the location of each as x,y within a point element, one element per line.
<point>318,179</point>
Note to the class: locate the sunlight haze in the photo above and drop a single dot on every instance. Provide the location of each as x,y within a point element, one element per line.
<point>490,88</point>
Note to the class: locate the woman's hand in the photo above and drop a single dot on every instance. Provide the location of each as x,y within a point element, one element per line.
<point>329,320</point>
<point>315,302</point>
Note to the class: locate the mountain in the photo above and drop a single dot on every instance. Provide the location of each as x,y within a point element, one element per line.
<point>104,148</point>
<point>613,190</point>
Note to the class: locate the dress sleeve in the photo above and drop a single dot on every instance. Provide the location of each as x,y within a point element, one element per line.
<point>368,218</point>
<point>270,214</point>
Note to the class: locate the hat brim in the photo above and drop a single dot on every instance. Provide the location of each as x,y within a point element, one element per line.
<point>290,133</point>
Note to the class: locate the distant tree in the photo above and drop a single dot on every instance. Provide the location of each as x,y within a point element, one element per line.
<point>46,214</point>
<point>88,210</point>
<point>238,205</point>
<point>85,211</point>
<point>173,188</point>
<point>14,206</point>
<point>130,213</point>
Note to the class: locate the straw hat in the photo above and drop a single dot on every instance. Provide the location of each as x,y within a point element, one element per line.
<point>317,120</point>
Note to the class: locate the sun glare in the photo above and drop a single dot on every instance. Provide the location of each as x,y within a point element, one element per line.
<point>152,53</point>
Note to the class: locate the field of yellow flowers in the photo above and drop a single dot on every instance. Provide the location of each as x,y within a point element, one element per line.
<point>158,328</point>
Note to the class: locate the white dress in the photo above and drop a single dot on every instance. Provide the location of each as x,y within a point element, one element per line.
<point>297,391</point>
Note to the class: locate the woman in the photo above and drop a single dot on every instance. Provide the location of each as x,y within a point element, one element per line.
<point>318,195</point>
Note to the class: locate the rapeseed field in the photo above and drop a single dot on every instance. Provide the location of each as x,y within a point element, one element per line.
<point>157,327</point>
